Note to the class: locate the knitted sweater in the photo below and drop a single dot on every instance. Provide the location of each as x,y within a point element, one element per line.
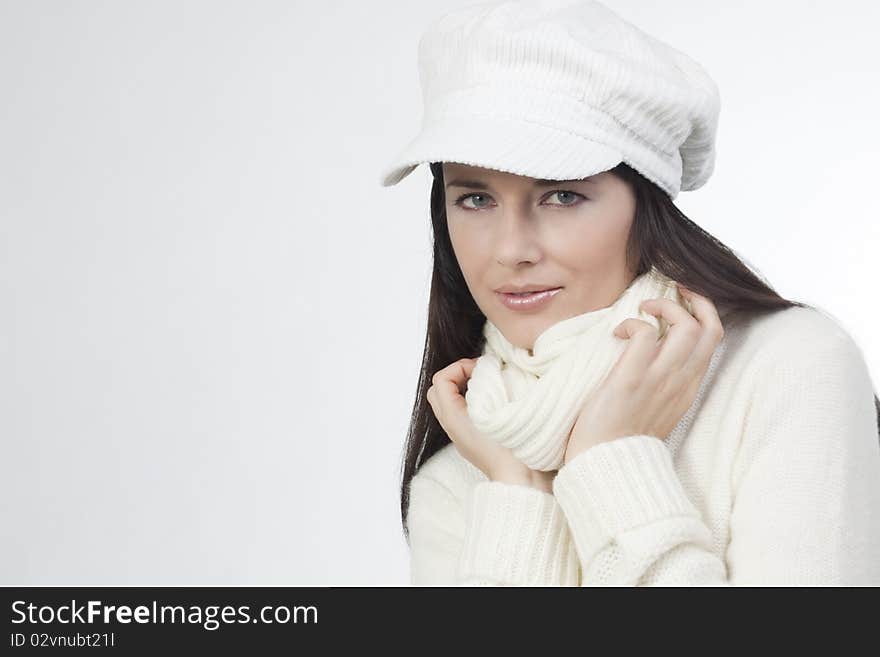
<point>772,477</point>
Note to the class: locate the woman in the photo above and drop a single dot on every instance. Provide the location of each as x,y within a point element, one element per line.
<point>658,415</point>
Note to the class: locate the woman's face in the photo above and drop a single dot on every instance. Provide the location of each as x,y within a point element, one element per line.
<point>508,229</point>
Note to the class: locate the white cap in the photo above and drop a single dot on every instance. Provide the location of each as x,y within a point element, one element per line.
<point>561,90</point>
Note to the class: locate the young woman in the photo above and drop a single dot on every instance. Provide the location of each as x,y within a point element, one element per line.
<point>608,394</point>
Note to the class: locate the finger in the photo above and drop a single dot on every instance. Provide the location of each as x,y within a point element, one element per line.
<point>450,383</point>
<point>449,394</point>
<point>682,333</point>
<point>458,371</point>
<point>705,312</point>
<point>467,365</point>
<point>462,371</point>
<point>642,345</point>
<point>670,310</point>
<point>434,400</point>
<point>441,396</point>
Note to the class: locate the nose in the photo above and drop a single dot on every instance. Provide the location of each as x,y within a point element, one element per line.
<point>516,239</point>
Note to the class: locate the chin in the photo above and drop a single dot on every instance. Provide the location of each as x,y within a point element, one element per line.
<point>524,337</point>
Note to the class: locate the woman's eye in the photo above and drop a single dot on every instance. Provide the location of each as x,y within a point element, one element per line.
<point>461,199</point>
<point>563,194</point>
<point>481,201</point>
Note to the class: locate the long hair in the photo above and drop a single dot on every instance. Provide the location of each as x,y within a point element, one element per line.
<point>661,235</point>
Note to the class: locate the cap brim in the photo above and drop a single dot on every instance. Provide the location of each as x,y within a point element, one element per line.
<point>504,144</point>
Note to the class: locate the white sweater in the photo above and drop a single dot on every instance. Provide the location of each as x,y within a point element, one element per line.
<point>772,477</point>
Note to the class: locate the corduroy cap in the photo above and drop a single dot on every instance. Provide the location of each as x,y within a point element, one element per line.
<point>560,89</point>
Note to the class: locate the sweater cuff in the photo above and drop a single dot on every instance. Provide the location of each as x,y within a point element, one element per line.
<point>518,536</point>
<point>617,486</point>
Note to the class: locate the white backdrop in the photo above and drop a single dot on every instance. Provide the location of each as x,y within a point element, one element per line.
<point>213,314</point>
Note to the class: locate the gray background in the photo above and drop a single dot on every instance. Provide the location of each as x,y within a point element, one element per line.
<point>213,315</point>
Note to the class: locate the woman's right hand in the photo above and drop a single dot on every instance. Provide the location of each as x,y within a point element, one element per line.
<point>446,396</point>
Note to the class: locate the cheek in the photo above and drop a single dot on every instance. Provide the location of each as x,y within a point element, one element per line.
<point>470,252</point>
<point>593,242</point>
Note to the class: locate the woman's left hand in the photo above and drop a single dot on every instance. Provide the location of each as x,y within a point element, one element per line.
<point>653,383</point>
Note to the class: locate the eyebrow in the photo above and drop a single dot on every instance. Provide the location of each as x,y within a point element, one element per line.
<point>539,182</point>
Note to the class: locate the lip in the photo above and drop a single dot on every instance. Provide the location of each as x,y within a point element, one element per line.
<point>528,302</point>
<point>516,288</point>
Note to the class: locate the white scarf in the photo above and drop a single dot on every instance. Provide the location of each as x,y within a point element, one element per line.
<point>530,402</point>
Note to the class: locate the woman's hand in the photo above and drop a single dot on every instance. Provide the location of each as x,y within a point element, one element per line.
<point>446,396</point>
<point>654,382</point>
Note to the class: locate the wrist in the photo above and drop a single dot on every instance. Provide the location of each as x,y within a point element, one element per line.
<point>530,478</point>
<point>511,477</point>
<point>573,450</point>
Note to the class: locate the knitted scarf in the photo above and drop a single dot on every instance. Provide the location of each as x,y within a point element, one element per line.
<point>529,402</point>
